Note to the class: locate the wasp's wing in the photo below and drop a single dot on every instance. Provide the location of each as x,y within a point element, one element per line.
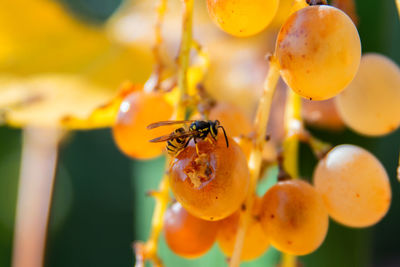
<point>163,123</point>
<point>173,136</point>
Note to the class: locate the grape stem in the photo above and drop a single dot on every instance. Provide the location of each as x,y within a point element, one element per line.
<point>148,250</point>
<point>154,82</point>
<point>261,121</point>
<point>184,56</point>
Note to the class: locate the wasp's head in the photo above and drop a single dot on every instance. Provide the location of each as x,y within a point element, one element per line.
<point>214,128</point>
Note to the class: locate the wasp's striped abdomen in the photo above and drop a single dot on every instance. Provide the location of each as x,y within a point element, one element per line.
<point>174,146</point>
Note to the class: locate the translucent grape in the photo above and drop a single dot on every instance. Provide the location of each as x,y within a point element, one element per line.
<point>370,104</point>
<point>213,184</point>
<point>255,242</point>
<point>187,235</point>
<point>322,114</point>
<point>294,217</point>
<point>241,17</point>
<point>234,120</point>
<point>138,110</point>
<point>354,186</point>
<point>319,51</point>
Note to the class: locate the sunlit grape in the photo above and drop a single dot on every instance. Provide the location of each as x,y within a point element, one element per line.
<point>255,242</point>
<point>187,235</point>
<point>212,184</point>
<point>294,217</point>
<point>319,51</point>
<point>138,110</point>
<point>354,186</point>
<point>370,105</point>
<point>241,17</point>
<point>233,119</point>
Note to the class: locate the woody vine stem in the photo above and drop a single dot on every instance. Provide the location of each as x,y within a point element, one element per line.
<point>148,250</point>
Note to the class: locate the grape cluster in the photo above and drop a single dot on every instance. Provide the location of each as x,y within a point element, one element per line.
<point>318,53</point>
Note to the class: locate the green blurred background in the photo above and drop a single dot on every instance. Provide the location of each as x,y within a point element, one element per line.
<point>99,205</point>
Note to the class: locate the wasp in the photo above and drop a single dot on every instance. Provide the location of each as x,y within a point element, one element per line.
<point>180,138</point>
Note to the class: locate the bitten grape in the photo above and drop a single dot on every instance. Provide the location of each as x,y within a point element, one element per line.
<point>255,242</point>
<point>354,186</point>
<point>370,105</point>
<point>186,235</point>
<point>212,184</point>
<point>138,110</point>
<point>294,217</point>
<point>241,17</point>
<point>319,51</point>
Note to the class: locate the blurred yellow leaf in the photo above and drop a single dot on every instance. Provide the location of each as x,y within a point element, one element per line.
<point>41,37</point>
<point>58,100</point>
<point>57,71</point>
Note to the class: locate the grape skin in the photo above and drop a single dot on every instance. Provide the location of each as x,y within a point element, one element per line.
<point>354,186</point>
<point>130,132</point>
<point>242,18</point>
<point>255,243</point>
<point>294,217</point>
<point>370,104</point>
<point>186,235</point>
<point>318,49</point>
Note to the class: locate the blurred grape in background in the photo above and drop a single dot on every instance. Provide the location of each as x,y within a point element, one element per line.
<point>99,204</point>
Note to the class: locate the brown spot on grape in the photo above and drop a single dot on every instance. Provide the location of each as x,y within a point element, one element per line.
<point>272,216</point>
<point>243,207</point>
<point>357,195</point>
<point>216,197</point>
<point>289,242</point>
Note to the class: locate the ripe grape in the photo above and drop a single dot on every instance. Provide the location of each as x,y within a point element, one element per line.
<point>294,217</point>
<point>322,114</point>
<point>138,110</point>
<point>241,17</point>
<point>233,119</point>
<point>283,11</point>
<point>319,51</point>
<point>255,242</point>
<point>354,186</point>
<point>187,235</point>
<point>370,104</point>
<point>212,184</point>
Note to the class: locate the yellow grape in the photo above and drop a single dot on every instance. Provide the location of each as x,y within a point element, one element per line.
<point>322,114</point>
<point>255,242</point>
<point>294,217</point>
<point>212,184</point>
<point>354,186</point>
<point>233,119</point>
<point>242,17</point>
<point>187,235</point>
<point>318,49</point>
<point>138,110</point>
<point>370,105</point>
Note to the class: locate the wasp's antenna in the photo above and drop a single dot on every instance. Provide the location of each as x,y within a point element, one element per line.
<point>226,138</point>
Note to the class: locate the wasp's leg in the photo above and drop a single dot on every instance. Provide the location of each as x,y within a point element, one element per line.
<point>197,149</point>
<point>209,140</point>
